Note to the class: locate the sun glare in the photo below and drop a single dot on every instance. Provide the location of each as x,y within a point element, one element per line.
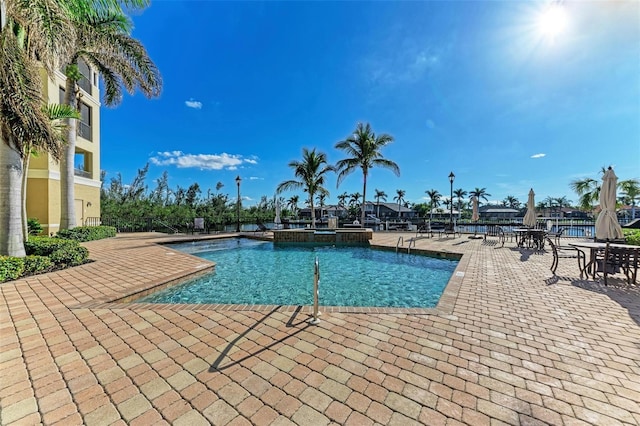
<point>553,21</point>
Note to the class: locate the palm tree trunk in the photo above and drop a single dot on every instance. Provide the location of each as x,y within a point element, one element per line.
<point>67,190</point>
<point>313,211</point>
<point>364,198</point>
<point>378,212</point>
<point>11,240</point>
<point>25,170</point>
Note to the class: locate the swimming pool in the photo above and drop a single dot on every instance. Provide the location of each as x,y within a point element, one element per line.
<point>261,273</point>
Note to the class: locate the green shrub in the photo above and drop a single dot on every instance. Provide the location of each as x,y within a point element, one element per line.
<point>70,256</point>
<point>87,233</point>
<point>632,236</point>
<point>44,246</point>
<point>34,226</point>
<point>11,268</point>
<point>62,252</point>
<point>37,264</point>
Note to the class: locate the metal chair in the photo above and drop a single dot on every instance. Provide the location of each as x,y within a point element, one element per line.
<point>566,253</point>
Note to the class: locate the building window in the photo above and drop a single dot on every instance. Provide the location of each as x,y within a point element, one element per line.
<point>85,80</point>
<point>82,164</point>
<point>84,126</point>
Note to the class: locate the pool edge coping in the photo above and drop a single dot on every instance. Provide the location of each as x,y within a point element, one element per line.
<point>445,305</point>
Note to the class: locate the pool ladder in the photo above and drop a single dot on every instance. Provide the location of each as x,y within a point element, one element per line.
<point>400,243</point>
<point>316,292</point>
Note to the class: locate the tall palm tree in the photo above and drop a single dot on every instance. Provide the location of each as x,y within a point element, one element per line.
<point>363,149</point>
<point>104,42</point>
<point>342,198</point>
<point>459,194</point>
<point>32,35</point>
<point>292,203</point>
<point>631,190</point>
<point>400,193</point>
<point>480,193</point>
<point>379,195</point>
<point>311,173</point>
<point>434,197</point>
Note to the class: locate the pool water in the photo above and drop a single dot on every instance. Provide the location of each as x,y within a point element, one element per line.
<point>259,272</point>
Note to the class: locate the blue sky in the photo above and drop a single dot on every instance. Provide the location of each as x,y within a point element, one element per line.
<point>490,90</point>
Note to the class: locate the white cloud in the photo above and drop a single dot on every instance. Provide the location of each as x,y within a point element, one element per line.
<point>200,161</point>
<point>192,103</point>
<point>538,155</point>
<point>254,177</point>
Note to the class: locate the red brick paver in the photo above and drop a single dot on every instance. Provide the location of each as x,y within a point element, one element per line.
<point>508,343</point>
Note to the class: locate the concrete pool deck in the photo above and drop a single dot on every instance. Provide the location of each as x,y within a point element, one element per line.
<point>516,347</point>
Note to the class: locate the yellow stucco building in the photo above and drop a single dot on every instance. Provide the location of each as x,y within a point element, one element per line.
<point>43,184</point>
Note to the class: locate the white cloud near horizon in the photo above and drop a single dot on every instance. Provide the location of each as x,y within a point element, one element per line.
<point>181,160</point>
<point>192,103</point>
<point>254,177</point>
<point>538,155</point>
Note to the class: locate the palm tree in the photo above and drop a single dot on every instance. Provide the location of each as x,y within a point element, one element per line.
<point>434,197</point>
<point>399,198</point>
<point>322,196</point>
<point>363,151</point>
<point>588,191</point>
<point>480,193</point>
<point>292,203</point>
<point>32,35</point>
<point>342,198</point>
<point>459,194</point>
<point>631,190</point>
<point>103,41</point>
<point>311,173</point>
<point>56,113</point>
<point>380,195</point>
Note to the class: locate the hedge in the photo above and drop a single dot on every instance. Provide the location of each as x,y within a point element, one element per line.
<point>37,264</point>
<point>11,268</point>
<point>63,253</point>
<point>87,233</point>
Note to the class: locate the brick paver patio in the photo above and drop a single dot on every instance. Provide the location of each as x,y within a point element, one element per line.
<point>510,346</point>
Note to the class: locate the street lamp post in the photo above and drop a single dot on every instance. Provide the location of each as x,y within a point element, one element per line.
<point>238,180</point>
<point>451,178</point>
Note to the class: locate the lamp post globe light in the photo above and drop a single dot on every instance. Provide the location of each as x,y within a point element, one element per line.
<point>451,178</point>
<point>238,180</point>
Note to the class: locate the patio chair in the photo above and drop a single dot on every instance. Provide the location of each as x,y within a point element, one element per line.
<point>566,253</point>
<point>556,235</point>
<point>495,231</point>
<point>618,259</point>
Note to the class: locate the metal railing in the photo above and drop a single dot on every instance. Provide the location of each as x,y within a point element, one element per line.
<point>399,243</point>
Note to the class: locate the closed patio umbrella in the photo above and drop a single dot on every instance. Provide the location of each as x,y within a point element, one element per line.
<point>530,217</point>
<point>607,226</point>
<point>474,215</point>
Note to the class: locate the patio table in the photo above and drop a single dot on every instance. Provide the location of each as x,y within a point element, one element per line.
<point>530,237</point>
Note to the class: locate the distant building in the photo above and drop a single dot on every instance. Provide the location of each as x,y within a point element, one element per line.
<point>389,211</point>
<point>498,212</point>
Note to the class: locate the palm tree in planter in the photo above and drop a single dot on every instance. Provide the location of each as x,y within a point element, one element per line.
<point>103,42</point>
<point>363,150</point>
<point>311,173</point>
<point>379,195</point>
<point>399,198</point>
